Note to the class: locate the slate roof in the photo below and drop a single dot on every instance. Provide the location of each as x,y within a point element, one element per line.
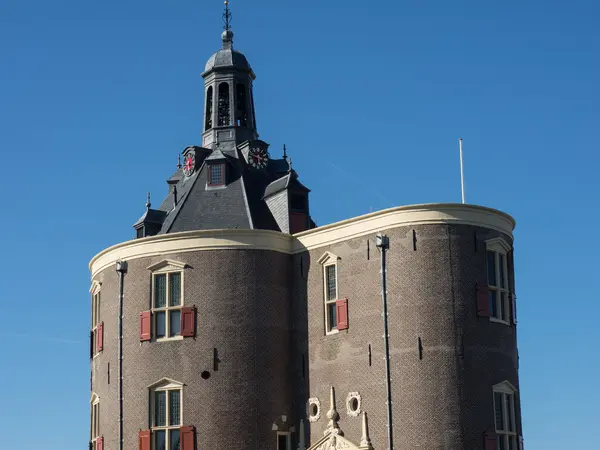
<point>239,204</point>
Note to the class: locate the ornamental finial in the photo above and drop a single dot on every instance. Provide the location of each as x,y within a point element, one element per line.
<point>284,152</point>
<point>148,204</point>
<point>178,160</point>
<point>365,440</point>
<point>333,416</point>
<point>227,16</point>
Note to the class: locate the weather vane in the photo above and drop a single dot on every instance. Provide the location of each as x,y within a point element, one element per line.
<point>227,16</point>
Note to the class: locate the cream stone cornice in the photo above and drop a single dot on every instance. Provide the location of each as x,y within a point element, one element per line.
<point>190,241</point>
<point>400,216</point>
<point>438,213</point>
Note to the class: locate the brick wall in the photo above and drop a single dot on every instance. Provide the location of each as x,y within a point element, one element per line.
<point>243,310</point>
<point>264,313</point>
<point>442,401</point>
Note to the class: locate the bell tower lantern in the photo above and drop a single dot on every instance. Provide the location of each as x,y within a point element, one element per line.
<point>229,103</point>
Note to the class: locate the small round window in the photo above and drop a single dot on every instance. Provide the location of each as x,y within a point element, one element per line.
<point>314,409</point>
<point>353,404</point>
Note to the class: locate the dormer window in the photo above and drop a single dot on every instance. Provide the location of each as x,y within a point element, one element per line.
<point>216,175</point>
<point>298,202</point>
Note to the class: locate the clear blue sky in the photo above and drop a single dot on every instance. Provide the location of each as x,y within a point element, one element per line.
<point>98,97</point>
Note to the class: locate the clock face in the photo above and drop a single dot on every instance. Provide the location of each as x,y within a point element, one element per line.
<point>258,158</point>
<point>189,164</point>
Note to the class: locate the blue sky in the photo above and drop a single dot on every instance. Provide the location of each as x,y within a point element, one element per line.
<point>97,99</point>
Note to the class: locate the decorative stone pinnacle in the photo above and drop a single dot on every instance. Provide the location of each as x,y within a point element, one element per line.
<point>365,440</point>
<point>333,416</point>
<point>301,438</point>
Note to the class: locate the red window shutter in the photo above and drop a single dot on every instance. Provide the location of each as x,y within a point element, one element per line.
<point>188,438</point>
<point>100,443</point>
<point>145,326</point>
<point>341,307</point>
<point>188,321</point>
<point>144,440</point>
<point>100,337</point>
<point>490,440</point>
<point>483,301</point>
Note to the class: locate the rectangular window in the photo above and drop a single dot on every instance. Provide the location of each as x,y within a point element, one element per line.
<point>331,296</point>
<point>283,441</point>
<point>298,202</point>
<point>497,275</point>
<point>95,322</point>
<point>95,424</point>
<point>216,175</point>
<point>166,304</point>
<point>504,412</point>
<point>166,419</point>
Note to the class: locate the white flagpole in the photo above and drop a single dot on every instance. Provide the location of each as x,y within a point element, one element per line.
<point>462,173</point>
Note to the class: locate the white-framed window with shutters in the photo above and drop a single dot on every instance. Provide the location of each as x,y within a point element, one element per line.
<point>505,416</point>
<point>167,299</point>
<point>96,335</point>
<point>329,262</point>
<point>95,439</point>
<point>497,251</point>
<point>166,406</point>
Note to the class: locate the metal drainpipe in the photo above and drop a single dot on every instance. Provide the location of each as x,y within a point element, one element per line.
<point>122,270</point>
<point>383,243</point>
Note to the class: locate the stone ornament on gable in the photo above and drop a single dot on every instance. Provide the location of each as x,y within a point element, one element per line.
<point>282,424</point>
<point>333,443</point>
<point>333,416</point>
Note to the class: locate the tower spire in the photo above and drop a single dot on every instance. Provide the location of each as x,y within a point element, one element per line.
<point>227,16</point>
<point>227,35</point>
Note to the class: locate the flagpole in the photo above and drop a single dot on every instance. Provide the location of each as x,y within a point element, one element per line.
<point>462,173</point>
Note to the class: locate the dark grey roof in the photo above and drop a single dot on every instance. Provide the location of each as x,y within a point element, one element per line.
<point>227,58</point>
<point>176,177</point>
<point>154,216</point>
<point>287,181</point>
<point>216,155</point>
<point>239,204</point>
<point>277,185</point>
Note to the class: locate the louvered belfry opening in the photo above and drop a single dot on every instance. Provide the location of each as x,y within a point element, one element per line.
<point>241,114</point>
<point>224,107</point>
<point>209,109</point>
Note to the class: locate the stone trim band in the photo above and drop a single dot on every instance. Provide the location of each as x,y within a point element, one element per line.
<point>307,240</point>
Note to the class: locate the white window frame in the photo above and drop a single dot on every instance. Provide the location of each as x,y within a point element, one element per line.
<point>167,267</point>
<point>165,385</point>
<point>507,391</point>
<point>96,302</point>
<point>288,435</point>
<point>328,260</point>
<point>94,420</point>
<point>499,246</point>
